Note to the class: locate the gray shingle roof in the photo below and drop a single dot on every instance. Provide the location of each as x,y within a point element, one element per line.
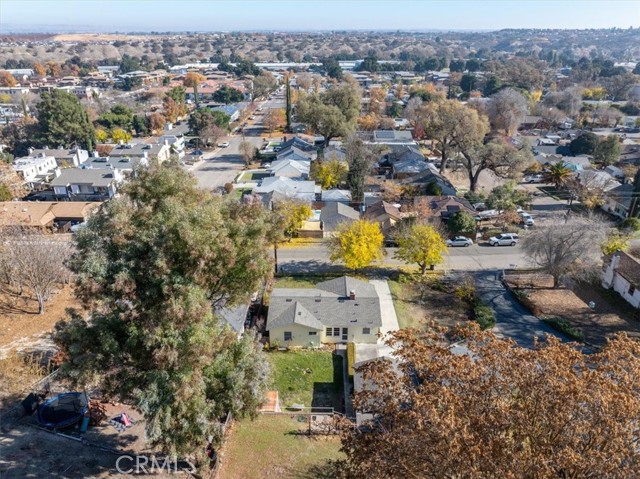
<point>77,176</point>
<point>328,304</point>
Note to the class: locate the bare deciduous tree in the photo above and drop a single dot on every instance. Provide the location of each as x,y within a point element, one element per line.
<point>506,110</point>
<point>247,151</point>
<point>35,262</point>
<point>565,248</point>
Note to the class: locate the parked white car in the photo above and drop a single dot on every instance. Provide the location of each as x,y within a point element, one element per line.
<point>224,144</point>
<point>527,220</point>
<point>537,178</point>
<point>504,239</point>
<point>459,241</point>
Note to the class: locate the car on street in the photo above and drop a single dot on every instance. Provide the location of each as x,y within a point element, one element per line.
<point>266,165</point>
<point>197,153</point>
<point>537,178</point>
<point>224,144</point>
<point>504,239</point>
<point>459,241</point>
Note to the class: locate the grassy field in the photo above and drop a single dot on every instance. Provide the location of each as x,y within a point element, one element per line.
<point>270,447</point>
<point>310,378</point>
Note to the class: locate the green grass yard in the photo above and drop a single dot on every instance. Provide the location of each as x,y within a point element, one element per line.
<point>271,448</point>
<point>310,378</point>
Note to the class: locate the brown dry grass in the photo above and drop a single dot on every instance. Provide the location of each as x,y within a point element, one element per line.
<point>97,37</point>
<point>608,318</point>
<point>17,373</point>
<point>19,318</point>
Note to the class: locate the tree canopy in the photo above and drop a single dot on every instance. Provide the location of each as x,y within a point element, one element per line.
<point>499,410</point>
<point>357,244</point>
<point>585,144</point>
<point>226,94</point>
<point>204,118</point>
<point>153,266</point>
<point>62,120</point>
<point>421,244</point>
<point>607,151</point>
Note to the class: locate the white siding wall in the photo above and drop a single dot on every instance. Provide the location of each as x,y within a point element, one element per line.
<point>621,285</point>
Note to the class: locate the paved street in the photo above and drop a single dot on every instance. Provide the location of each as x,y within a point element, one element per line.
<point>474,258</point>
<point>223,164</point>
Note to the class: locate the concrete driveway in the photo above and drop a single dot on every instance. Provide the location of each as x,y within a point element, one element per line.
<point>513,320</point>
<point>387,311</point>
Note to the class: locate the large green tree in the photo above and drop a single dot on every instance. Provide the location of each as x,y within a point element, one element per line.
<point>153,266</point>
<point>331,113</point>
<point>205,118</point>
<point>607,151</point>
<point>226,95</point>
<point>585,144</point>
<point>62,120</point>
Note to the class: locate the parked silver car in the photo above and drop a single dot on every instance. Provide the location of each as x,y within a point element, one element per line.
<point>504,239</point>
<point>459,241</point>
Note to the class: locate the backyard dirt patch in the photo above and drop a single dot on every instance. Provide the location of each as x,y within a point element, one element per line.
<point>571,303</point>
<point>21,327</point>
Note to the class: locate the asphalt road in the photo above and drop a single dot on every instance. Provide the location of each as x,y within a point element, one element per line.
<point>222,165</point>
<point>513,320</point>
<point>315,258</point>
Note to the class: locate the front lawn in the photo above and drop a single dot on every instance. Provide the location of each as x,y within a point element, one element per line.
<point>429,299</point>
<point>271,447</point>
<point>310,378</point>
<point>307,281</point>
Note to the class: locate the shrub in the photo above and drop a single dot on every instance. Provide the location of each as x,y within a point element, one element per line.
<point>484,315</point>
<point>632,224</point>
<point>562,325</point>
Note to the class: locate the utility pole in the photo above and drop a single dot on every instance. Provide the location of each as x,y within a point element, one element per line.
<point>288,110</point>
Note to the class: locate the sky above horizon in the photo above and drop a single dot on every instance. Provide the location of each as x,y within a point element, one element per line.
<point>299,15</point>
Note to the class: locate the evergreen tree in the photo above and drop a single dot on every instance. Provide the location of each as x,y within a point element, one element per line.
<point>62,120</point>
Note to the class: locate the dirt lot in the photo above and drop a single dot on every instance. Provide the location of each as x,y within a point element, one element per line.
<point>610,315</point>
<point>21,327</point>
<point>28,451</point>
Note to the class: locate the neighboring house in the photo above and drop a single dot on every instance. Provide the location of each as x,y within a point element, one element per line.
<point>630,155</point>
<point>76,184</point>
<point>340,310</point>
<point>383,213</point>
<point>159,151</point>
<point>446,206</point>
<point>235,317</point>
<point>399,153</point>
<point>289,188</point>
<point>618,201</point>
<point>64,157</point>
<point>334,214</point>
<point>614,171</point>
<point>389,137</point>
<point>342,196</point>
<point>431,176</point>
<point>597,179</point>
<point>291,168</point>
<point>36,170</point>
<point>125,165</point>
<point>175,142</point>
<point>621,273</point>
<point>334,153</point>
<point>232,110</point>
<point>295,153</point>
<point>44,214</point>
<point>408,168</point>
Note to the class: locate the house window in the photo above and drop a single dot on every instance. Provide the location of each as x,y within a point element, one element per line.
<point>288,336</point>
<point>336,331</point>
<point>366,330</point>
<point>632,290</point>
<point>313,333</point>
<point>329,332</point>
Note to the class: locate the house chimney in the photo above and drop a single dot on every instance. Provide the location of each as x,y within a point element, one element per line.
<point>352,295</point>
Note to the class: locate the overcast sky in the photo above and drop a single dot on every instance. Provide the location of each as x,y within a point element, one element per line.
<point>213,15</point>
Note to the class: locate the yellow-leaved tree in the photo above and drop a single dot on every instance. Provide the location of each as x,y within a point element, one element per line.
<point>101,135</point>
<point>421,244</point>
<point>119,135</point>
<point>329,173</point>
<point>357,244</point>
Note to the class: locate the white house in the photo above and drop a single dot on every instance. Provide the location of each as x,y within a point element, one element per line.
<point>340,310</point>
<point>160,152</point>
<point>621,273</point>
<point>36,170</point>
<point>64,157</point>
<point>289,188</point>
